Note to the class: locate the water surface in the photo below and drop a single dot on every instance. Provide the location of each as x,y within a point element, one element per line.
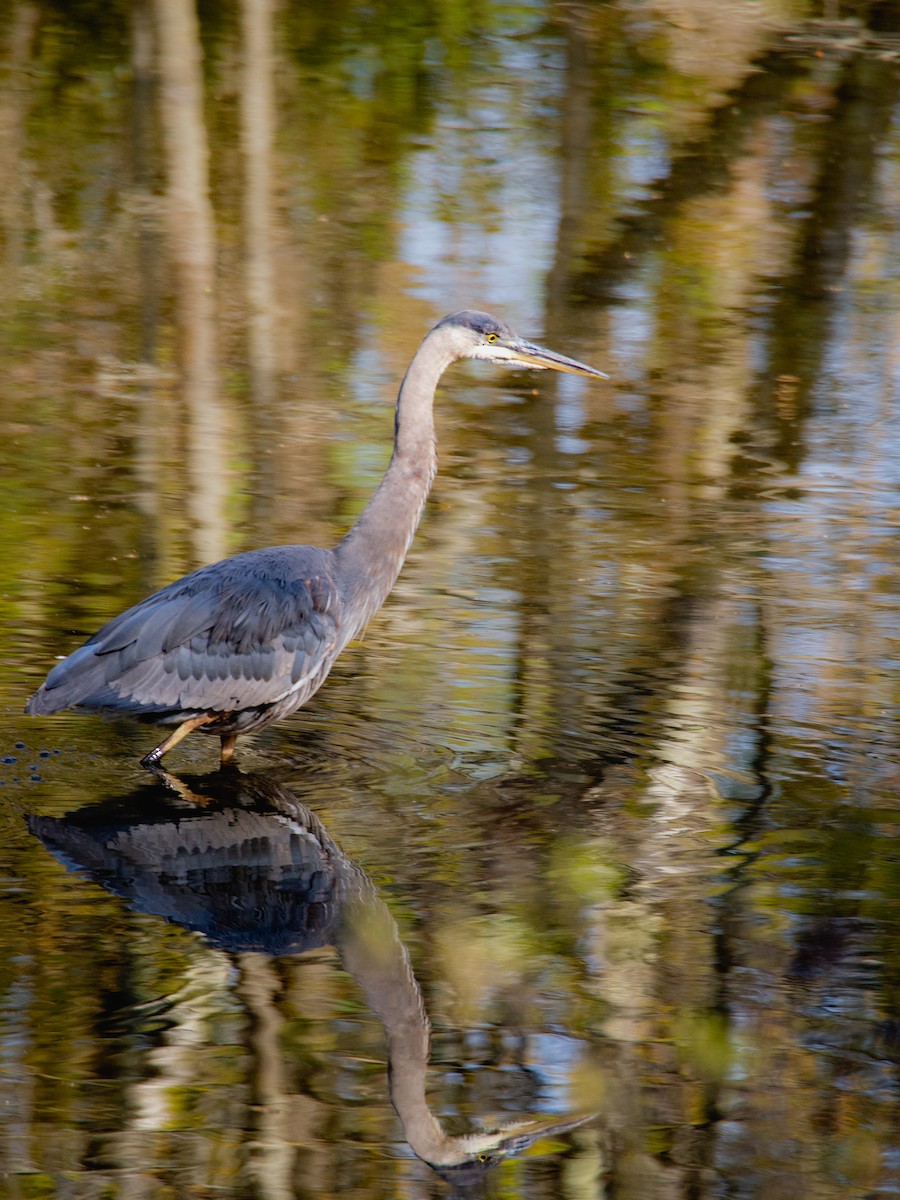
<point>607,794</point>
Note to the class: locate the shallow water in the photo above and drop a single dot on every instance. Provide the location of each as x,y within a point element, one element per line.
<point>608,790</point>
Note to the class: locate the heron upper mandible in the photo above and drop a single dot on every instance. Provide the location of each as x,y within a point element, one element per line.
<point>243,642</point>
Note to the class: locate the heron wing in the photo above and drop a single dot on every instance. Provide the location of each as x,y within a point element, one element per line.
<point>240,634</point>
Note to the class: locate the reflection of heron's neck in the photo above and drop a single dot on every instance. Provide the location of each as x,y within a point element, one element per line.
<point>372,553</point>
<point>370,948</point>
<point>372,952</point>
<point>408,1044</point>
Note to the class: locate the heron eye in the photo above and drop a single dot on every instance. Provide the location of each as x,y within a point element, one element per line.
<point>491,337</point>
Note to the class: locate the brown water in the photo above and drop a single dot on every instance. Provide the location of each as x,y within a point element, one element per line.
<point>609,789</point>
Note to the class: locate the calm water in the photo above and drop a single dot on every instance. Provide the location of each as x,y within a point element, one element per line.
<point>607,796</point>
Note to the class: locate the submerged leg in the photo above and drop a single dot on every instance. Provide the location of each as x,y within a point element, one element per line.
<point>229,741</point>
<point>186,727</point>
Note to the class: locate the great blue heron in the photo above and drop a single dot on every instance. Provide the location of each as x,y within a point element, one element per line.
<point>235,645</point>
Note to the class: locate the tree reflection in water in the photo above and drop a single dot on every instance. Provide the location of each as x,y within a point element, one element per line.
<point>243,862</point>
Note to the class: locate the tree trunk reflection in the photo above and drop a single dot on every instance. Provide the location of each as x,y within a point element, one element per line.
<point>192,249</point>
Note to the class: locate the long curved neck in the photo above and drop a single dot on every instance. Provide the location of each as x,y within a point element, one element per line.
<point>372,553</point>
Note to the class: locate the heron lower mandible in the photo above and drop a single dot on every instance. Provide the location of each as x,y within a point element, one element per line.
<point>243,642</point>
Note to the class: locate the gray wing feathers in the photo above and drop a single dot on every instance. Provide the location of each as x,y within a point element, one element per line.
<point>240,634</point>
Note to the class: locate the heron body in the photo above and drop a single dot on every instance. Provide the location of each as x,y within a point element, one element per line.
<point>245,641</point>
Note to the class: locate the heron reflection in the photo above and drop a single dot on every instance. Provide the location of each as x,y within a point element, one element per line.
<point>239,859</point>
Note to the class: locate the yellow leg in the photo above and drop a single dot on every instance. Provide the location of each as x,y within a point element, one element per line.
<point>186,727</point>
<point>229,741</point>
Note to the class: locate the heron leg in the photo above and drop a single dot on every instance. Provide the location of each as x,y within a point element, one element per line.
<point>229,741</point>
<point>186,727</point>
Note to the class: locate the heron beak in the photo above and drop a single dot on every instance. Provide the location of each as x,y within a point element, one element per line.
<point>536,357</point>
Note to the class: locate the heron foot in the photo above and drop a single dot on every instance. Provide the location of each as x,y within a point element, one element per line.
<point>151,760</point>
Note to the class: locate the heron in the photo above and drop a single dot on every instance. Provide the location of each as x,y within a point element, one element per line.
<point>237,644</point>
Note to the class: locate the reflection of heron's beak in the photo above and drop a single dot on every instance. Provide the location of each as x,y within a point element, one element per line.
<point>530,355</point>
<point>467,1156</point>
<point>520,1135</point>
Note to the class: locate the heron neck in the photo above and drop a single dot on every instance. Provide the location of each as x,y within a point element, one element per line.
<point>372,553</point>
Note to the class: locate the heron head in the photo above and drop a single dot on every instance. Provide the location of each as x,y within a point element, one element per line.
<point>479,335</point>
